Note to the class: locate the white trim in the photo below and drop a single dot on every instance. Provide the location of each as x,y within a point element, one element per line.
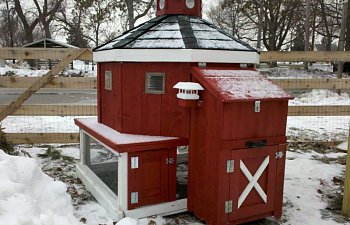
<point>123,181</point>
<point>103,194</point>
<point>253,181</point>
<point>176,55</point>
<point>162,209</point>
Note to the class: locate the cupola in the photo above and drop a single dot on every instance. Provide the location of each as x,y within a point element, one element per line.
<point>181,7</point>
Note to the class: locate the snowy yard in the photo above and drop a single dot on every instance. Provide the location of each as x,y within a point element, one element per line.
<point>313,189</point>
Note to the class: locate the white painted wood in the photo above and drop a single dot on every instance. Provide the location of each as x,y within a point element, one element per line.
<point>103,194</point>
<point>253,181</point>
<point>123,181</point>
<point>162,209</point>
<point>84,148</point>
<point>176,55</point>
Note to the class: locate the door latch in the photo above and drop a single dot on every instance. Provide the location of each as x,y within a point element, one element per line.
<point>169,161</point>
<point>279,155</point>
<point>228,207</point>
<point>134,162</point>
<point>230,166</point>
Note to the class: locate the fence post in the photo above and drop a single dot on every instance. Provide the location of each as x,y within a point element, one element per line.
<point>346,198</point>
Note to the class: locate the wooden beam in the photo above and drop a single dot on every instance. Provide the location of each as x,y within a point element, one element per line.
<point>33,138</point>
<point>40,83</point>
<point>336,110</point>
<point>335,83</point>
<point>42,53</point>
<point>300,56</point>
<point>346,197</point>
<point>58,82</point>
<point>54,110</point>
<point>91,110</point>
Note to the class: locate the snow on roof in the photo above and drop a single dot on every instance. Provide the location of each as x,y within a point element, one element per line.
<point>240,85</point>
<point>188,86</point>
<point>49,43</point>
<point>176,32</point>
<point>114,138</point>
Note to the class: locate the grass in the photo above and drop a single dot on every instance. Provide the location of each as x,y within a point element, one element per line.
<point>54,154</point>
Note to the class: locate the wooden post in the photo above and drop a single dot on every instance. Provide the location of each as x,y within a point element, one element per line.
<point>40,83</point>
<point>346,198</point>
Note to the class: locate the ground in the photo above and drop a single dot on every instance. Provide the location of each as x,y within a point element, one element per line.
<point>313,185</point>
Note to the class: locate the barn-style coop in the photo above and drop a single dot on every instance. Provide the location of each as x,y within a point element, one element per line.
<point>185,123</point>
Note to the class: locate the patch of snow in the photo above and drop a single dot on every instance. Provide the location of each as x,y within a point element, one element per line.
<point>220,44</point>
<point>199,34</point>
<point>94,214</point>
<point>302,181</point>
<point>39,124</point>
<point>162,34</point>
<point>243,84</point>
<point>167,26</point>
<point>163,43</point>
<point>119,138</point>
<point>321,97</point>
<point>28,196</point>
<point>343,146</point>
<point>318,128</point>
<point>128,221</point>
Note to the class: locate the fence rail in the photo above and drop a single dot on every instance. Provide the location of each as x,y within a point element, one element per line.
<point>90,83</point>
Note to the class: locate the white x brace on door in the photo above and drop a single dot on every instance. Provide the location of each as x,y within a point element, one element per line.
<point>253,181</point>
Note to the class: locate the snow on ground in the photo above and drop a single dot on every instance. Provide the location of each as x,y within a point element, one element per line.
<point>303,187</point>
<point>321,97</point>
<point>28,196</point>
<point>311,181</point>
<point>23,70</point>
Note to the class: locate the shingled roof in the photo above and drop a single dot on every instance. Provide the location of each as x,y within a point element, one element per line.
<point>176,32</point>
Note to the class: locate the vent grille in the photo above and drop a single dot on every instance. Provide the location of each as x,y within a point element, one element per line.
<point>155,83</point>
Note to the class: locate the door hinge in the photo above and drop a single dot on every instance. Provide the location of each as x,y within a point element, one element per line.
<point>228,207</point>
<point>169,161</point>
<point>134,197</point>
<point>279,155</point>
<point>230,166</point>
<point>134,162</point>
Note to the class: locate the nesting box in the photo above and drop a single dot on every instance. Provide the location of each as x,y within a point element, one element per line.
<point>237,147</point>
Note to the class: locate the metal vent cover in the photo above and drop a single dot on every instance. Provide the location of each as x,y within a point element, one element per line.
<point>155,83</point>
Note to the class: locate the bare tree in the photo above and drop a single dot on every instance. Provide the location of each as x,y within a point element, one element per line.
<point>43,13</point>
<point>135,10</point>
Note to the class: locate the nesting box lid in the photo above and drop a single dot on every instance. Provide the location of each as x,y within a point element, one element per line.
<point>239,85</point>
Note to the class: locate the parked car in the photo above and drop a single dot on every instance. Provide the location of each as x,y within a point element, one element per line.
<point>346,68</point>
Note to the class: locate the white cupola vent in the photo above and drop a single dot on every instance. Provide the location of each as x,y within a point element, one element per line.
<point>188,90</point>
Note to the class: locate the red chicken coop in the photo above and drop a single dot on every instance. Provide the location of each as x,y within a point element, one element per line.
<point>185,123</point>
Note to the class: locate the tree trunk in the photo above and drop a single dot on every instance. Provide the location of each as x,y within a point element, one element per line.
<point>131,16</point>
<point>307,30</point>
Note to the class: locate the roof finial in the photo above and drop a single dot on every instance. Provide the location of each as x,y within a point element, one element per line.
<point>185,7</point>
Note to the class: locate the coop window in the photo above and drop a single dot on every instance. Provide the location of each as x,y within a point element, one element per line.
<point>108,80</point>
<point>155,83</point>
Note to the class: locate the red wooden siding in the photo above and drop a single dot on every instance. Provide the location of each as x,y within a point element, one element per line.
<point>130,110</point>
<point>241,122</point>
<point>110,100</point>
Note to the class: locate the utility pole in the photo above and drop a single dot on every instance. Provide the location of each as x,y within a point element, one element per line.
<point>343,31</point>
<point>307,30</point>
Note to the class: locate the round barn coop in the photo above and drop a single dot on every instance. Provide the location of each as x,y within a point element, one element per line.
<point>177,82</point>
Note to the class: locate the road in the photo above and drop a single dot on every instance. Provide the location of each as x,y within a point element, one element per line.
<point>51,96</point>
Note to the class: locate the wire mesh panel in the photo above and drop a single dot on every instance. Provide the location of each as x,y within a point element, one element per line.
<point>104,163</point>
<point>70,94</point>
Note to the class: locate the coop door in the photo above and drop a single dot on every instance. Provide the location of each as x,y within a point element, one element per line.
<point>151,177</point>
<point>253,182</point>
